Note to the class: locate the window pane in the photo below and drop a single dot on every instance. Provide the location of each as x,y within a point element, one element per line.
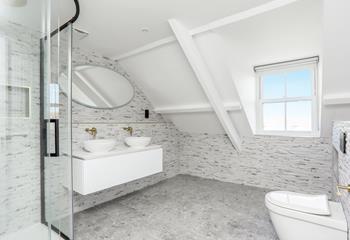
<point>299,83</point>
<point>273,116</point>
<point>273,86</point>
<point>299,116</point>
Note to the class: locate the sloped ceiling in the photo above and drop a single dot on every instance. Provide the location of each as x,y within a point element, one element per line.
<point>115,25</point>
<point>230,53</point>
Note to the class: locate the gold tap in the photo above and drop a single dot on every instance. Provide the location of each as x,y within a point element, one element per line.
<point>347,188</point>
<point>92,131</point>
<point>129,130</point>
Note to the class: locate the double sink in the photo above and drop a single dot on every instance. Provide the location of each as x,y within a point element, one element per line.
<point>106,145</point>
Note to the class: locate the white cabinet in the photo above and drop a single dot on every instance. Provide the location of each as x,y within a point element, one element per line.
<point>100,173</point>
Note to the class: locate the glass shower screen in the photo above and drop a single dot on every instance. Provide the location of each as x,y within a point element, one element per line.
<point>35,120</point>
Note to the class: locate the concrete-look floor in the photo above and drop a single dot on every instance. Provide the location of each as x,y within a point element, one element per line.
<point>180,208</point>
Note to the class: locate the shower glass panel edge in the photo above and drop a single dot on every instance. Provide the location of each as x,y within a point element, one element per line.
<point>55,119</point>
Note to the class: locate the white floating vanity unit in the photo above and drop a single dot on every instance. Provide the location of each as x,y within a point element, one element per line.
<point>94,172</point>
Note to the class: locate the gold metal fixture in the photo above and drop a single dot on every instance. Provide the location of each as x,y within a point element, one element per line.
<point>129,130</point>
<point>347,188</point>
<point>92,131</point>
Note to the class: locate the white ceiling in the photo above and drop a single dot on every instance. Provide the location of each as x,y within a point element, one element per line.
<point>115,26</point>
<point>230,54</point>
<point>30,15</point>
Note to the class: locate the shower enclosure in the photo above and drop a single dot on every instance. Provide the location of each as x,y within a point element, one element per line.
<point>35,119</point>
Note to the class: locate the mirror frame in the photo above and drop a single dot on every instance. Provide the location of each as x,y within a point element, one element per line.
<point>102,108</point>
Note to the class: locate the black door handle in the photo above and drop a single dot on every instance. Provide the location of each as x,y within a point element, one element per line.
<point>57,138</point>
<point>56,153</point>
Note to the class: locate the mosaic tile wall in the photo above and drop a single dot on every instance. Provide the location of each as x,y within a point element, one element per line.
<point>341,165</point>
<point>296,164</point>
<point>19,137</point>
<point>281,163</point>
<point>109,124</point>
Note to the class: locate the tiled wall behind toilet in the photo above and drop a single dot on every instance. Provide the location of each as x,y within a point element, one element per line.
<point>278,163</point>
<point>341,165</point>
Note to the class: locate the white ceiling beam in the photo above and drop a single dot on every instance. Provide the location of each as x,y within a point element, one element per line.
<point>242,16</point>
<point>211,26</point>
<point>146,47</point>
<point>205,79</point>
<point>199,108</point>
<point>336,99</point>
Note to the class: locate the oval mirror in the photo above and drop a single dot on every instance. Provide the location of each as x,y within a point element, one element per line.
<point>100,87</point>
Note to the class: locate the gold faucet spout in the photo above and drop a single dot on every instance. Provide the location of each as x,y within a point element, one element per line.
<point>346,188</point>
<point>129,130</point>
<point>92,131</point>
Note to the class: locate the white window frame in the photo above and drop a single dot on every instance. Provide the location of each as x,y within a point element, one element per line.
<point>308,63</point>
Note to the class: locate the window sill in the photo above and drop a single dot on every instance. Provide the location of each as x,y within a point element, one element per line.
<point>288,134</point>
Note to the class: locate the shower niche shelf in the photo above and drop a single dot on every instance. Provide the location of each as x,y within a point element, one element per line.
<point>93,174</point>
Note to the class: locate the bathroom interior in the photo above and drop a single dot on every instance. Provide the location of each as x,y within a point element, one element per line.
<point>174,120</point>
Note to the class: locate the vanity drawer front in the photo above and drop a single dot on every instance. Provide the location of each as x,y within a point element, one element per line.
<point>94,175</point>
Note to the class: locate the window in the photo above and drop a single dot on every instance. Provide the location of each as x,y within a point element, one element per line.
<point>287,98</point>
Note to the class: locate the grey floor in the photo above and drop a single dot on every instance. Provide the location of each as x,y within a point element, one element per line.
<point>180,208</point>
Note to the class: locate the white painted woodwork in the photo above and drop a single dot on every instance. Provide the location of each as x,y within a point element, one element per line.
<point>269,6</point>
<point>250,43</point>
<point>116,26</point>
<point>230,53</point>
<point>146,47</point>
<point>200,122</point>
<point>336,71</point>
<point>213,50</point>
<point>336,99</point>
<point>100,173</point>
<point>205,79</point>
<point>167,80</point>
<point>242,16</point>
<point>165,77</point>
<point>196,108</point>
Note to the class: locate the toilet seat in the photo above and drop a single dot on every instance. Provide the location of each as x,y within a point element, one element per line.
<point>335,220</point>
<point>307,203</point>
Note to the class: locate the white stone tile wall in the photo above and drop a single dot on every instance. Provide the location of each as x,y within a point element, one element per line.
<point>280,163</point>
<point>341,163</point>
<point>297,164</point>
<point>109,124</point>
<point>283,163</point>
<point>19,137</point>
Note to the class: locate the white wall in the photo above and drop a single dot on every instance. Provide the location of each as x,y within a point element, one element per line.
<point>287,33</point>
<point>167,80</point>
<point>336,68</point>
<point>230,54</point>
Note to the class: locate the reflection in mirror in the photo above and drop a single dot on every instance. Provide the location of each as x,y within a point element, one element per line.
<point>99,87</point>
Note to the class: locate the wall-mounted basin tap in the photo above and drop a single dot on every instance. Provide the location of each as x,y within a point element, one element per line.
<point>92,131</point>
<point>342,187</point>
<point>129,130</point>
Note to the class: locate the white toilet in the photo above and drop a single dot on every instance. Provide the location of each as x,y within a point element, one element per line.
<point>298,216</point>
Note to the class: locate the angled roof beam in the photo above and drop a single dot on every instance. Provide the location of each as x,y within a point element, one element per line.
<point>205,79</point>
<point>211,26</point>
<point>198,108</point>
<point>242,15</point>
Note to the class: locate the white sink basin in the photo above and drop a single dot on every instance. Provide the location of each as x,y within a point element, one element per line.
<point>138,142</point>
<point>100,145</point>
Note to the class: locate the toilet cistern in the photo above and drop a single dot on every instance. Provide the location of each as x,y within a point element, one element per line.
<point>129,130</point>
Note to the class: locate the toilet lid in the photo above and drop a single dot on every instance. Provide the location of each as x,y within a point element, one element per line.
<point>314,204</point>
